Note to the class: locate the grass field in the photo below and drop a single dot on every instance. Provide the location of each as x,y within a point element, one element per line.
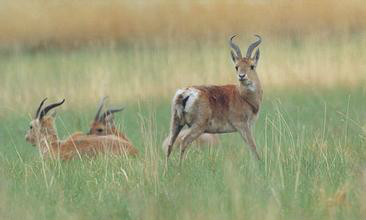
<point>311,135</point>
<point>311,140</point>
<point>311,132</point>
<point>145,71</point>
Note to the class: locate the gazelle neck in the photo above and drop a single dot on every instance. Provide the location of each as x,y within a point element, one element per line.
<point>116,132</point>
<point>48,140</point>
<point>251,92</point>
<point>249,88</point>
<point>45,145</point>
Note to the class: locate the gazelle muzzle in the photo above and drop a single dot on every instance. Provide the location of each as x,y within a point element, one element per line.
<point>242,77</point>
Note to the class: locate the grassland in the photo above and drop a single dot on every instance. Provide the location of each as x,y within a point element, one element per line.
<point>138,71</point>
<point>311,132</point>
<point>313,167</point>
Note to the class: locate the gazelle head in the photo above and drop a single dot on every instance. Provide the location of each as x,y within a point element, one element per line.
<point>245,66</point>
<point>42,125</point>
<point>103,124</point>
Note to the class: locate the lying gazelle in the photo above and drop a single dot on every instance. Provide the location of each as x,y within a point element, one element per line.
<point>103,124</point>
<point>220,109</point>
<point>204,139</point>
<point>42,133</point>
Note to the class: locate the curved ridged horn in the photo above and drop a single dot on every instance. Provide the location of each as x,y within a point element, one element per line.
<point>235,47</point>
<point>111,111</point>
<point>100,107</point>
<point>253,46</point>
<point>49,107</point>
<point>39,108</point>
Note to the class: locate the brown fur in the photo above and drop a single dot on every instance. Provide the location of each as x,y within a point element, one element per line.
<point>108,128</point>
<point>220,98</point>
<point>43,134</point>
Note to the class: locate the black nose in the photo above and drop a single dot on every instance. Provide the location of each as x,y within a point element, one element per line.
<point>242,76</point>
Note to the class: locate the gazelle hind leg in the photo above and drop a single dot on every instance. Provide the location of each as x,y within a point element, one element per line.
<point>174,132</point>
<point>246,133</point>
<point>192,134</point>
<point>172,137</point>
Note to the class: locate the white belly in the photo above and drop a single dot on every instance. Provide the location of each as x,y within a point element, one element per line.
<point>215,126</point>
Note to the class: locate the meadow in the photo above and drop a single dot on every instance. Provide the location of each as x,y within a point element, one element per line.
<point>311,138</point>
<point>311,132</point>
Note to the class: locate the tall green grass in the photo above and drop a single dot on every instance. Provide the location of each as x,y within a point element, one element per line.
<point>313,167</point>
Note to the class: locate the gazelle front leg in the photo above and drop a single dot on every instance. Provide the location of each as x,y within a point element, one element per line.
<point>246,133</point>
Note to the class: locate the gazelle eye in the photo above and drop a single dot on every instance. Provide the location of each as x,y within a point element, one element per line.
<point>30,127</point>
<point>252,67</point>
<point>236,67</point>
<point>99,130</point>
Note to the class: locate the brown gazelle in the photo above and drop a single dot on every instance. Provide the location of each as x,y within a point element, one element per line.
<point>220,109</point>
<point>103,124</point>
<point>42,133</point>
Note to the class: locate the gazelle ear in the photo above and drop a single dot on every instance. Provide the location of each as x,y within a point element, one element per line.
<point>256,56</point>
<point>233,57</point>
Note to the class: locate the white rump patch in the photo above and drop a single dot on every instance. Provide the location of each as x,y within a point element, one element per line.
<point>193,96</point>
<point>179,92</point>
<point>177,107</point>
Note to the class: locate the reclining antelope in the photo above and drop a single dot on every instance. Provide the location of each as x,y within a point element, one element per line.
<point>220,109</point>
<point>42,133</point>
<point>103,124</point>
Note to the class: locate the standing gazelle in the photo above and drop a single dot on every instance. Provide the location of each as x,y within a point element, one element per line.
<point>220,109</point>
